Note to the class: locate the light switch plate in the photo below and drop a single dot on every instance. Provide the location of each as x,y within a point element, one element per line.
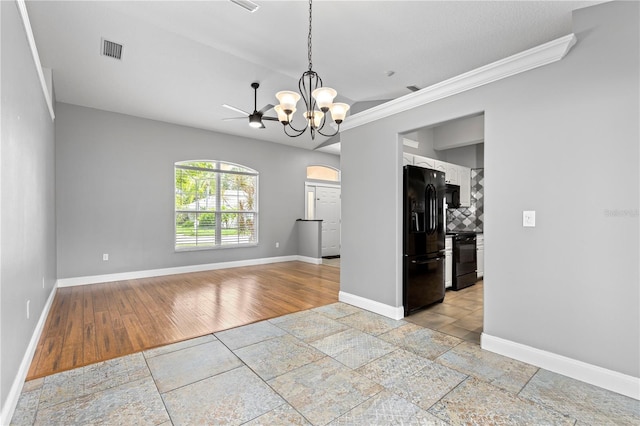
<point>529,218</point>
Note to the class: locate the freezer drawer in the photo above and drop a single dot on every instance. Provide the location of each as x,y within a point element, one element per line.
<point>423,281</point>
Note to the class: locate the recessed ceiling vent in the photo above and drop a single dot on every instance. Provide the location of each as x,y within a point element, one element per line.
<point>246,4</point>
<point>111,49</point>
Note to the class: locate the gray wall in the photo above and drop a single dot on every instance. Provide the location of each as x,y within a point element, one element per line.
<point>561,139</point>
<point>27,253</point>
<point>461,132</point>
<point>469,156</point>
<point>425,148</point>
<point>309,238</point>
<point>458,141</point>
<point>115,191</point>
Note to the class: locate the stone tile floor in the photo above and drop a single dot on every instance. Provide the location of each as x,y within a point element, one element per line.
<point>337,365</point>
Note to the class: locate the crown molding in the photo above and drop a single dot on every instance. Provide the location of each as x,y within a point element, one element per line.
<point>535,57</point>
<point>22,8</point>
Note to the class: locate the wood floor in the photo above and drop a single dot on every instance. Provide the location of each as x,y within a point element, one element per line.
<point>92,323</point>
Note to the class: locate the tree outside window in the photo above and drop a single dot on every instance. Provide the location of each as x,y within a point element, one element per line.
<point>216,205</point>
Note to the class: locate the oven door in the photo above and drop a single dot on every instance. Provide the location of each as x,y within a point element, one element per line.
<point>465,255</point>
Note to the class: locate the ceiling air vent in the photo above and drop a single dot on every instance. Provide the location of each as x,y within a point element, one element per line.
<point>246,4</point>
<point>111,49</point>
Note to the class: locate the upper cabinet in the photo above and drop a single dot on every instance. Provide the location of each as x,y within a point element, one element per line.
<point>453,174</point>
<point>407,159</point>
<point>464,180</point>
<point>441,166</point>
<point>427,163</point>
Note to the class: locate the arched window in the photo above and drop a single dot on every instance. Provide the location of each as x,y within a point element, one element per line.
<point>323,173</point>
<point>216,205</point>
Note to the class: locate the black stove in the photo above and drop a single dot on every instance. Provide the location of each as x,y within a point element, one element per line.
<point>464,259</point>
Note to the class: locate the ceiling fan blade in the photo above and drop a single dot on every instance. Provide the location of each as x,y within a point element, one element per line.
<point>265,108</point>
<point>235,109</point>
<point>270,118</point>
<point>234,118</point>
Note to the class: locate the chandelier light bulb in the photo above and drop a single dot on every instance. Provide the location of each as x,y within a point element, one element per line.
<point>339,112</point>
<point>283,117</point>
<point>314,118</point>
<point>288,100</point>
<point>324,97</point>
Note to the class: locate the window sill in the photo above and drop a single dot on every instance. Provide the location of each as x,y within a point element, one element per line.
<point>220,247</point>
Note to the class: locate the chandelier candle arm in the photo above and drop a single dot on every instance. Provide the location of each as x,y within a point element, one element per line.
<point>314,95</point>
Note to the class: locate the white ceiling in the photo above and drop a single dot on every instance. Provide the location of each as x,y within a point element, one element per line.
<point>183,60</point>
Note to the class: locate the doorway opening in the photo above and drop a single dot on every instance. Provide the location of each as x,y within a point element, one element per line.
<point>455,147</point>
<point>323,202</point>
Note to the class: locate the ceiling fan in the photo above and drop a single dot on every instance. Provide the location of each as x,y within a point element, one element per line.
<point>256,117</point>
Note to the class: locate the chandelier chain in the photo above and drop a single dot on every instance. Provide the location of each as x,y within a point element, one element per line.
<point>309,44</point>
<point>318,100</point>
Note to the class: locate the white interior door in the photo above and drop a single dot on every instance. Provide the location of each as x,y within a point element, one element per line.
<point>328,209</point>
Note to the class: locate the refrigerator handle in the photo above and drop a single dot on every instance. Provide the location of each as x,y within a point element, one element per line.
<point>435,211</point>
<point>431,194</point>
<point>427,206</point>
<point>430,211</point>
<point>426,262</point>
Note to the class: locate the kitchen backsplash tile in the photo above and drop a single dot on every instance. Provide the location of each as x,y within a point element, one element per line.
<point>470,218</point>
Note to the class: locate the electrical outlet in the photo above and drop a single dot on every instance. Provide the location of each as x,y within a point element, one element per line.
<point>105,256</point>
<point>28,306</point>
<point>42,282</point>
<point>529,218</point>
<point>277,245</point>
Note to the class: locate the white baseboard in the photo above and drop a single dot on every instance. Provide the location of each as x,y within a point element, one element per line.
<point>95,279</point>
<point>16,388</point>
<point>307,259</point>
<point>598,376</point>
<point>392,312</point>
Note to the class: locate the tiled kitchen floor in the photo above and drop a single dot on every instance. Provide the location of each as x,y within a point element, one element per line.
<point>460,315</point>
<point>336,364</point>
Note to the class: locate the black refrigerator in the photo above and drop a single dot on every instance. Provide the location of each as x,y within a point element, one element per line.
<point>424,235</point>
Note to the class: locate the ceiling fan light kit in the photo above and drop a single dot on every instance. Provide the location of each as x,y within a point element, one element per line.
<point>255,121</point>
<point>314,96</point>
<point>256,117</point>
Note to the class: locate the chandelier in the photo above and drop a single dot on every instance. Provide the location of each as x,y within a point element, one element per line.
<point>318,101</point>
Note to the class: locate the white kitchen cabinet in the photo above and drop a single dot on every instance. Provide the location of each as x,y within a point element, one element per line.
<point>407,159</point>
<point>440,166</point>
<point>448,262</point>
<point>464,180</point>
<point>480,255</point>
<point>451,173</point>
<point>427,163</point>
